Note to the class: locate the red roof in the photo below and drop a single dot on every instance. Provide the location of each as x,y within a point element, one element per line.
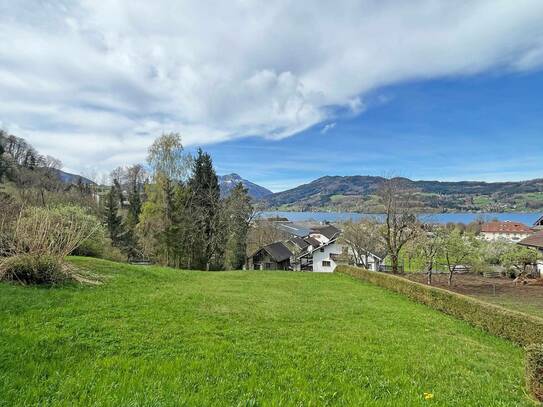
<point>505,227</point>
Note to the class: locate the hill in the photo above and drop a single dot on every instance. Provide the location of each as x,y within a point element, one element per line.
<point>228,182</point>
<point>158,336</point>
<point>69,178</point>
<point>358,193</point>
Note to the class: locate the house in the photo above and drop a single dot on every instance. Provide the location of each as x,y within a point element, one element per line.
<point>505,231</point>
<point>275,256</point>
<point>535,241</point>
<point>326,257</point>
<point>315,248</point>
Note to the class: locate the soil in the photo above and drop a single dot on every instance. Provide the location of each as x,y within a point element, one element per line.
<point>500,290</point>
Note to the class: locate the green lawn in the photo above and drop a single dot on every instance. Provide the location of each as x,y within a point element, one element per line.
<point>161,337</point>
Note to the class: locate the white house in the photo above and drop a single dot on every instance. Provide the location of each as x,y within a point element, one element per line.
<point>505,231</point>
<point>326,257</point>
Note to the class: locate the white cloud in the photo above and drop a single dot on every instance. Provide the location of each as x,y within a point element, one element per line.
<point>95,82</point>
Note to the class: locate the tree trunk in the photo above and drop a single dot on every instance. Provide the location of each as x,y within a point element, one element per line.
<point>451,272</point>
<point>394,261</point>
<point>430,267</point>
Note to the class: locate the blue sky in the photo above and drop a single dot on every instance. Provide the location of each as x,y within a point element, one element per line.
<point>485,127</point>
<point>429,89</point>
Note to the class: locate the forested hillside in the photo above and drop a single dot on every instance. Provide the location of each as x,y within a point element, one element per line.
<point>357,193</point>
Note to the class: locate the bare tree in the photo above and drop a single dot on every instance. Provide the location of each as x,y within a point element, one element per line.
<point>428,244</point>
<point>363,238</point>
<point>401,223</point>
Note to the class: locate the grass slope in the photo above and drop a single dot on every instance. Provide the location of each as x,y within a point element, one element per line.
<point>152,336</point>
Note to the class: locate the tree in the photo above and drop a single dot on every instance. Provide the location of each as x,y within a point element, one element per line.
<point>3,161</point>
<point>112,219</point>
<point>401,223</point>
<point>169,166</point>
<point>428,244</point>
<point>519,258</point>
<point>459,251</point>
<point>262,232</point>
<point>364,239</point>
<point>237,214</point>
<point>135,178</point>
<point>208,244</point>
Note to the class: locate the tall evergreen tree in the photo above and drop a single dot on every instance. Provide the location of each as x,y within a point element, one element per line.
<point>208,244</point>
<point>112,219</point>
<point>3,162</point>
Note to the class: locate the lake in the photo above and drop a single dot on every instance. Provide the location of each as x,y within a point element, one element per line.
<point>527,218</point>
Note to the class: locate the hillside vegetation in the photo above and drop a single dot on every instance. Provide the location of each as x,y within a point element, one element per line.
<point>358,193</point>
<point>158,336</point>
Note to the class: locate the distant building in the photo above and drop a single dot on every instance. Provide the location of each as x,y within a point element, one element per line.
<point>505,231</point>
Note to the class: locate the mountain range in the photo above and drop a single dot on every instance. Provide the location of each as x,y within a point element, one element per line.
<point>358,193</point>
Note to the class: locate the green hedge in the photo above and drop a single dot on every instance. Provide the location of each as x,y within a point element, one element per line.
<point>534,370</point>
<point>518,327</point>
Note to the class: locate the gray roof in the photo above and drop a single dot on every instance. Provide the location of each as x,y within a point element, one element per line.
<point>300,243</point>
<point>293,229</point>
<point>278,251</point>
<point>312,241</point>
<point>330,231</point>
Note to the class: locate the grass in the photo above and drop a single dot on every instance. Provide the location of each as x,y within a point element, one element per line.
<point>151,336</point>
<point>528,304</point>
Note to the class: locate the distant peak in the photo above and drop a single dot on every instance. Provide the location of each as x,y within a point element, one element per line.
<point>232,176</point>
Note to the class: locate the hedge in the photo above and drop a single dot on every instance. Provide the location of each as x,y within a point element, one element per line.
<point>518,327</point>
<point>534,370</point>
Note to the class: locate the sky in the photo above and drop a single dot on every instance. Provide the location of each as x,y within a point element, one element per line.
<point>281,92</point>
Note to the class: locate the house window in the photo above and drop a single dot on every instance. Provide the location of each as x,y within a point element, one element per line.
<point>322,250</point>
<point>326,263</point>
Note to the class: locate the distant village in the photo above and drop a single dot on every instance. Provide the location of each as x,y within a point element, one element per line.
<point>318,247</point>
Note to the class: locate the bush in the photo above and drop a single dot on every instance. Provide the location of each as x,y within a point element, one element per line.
<point>515,326</point>
<point>30,269</point>
<point>534,370</point>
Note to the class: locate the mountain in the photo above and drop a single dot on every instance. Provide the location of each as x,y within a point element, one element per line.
<point>358,193</point>
<point>69,178</point>
<point>228,182</point>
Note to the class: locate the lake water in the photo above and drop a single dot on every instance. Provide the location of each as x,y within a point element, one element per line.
<point>528,218</point>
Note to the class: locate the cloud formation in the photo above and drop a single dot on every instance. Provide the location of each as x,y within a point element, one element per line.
<point>95,81</point>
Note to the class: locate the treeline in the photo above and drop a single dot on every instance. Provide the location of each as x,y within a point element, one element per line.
<point>175,215</point>
<point>36,178</point>
<point>168,211</point>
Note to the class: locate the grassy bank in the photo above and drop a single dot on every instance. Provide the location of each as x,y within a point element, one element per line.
<point>152,336</point>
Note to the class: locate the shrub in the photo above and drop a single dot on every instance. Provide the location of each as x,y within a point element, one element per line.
<point>515,326</point>
<point>54,231</point>
<point>31,269</point>
<point>534,370</point>
<point>41,238</point>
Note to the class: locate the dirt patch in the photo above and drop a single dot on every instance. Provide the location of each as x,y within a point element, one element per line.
<point>502,291</point>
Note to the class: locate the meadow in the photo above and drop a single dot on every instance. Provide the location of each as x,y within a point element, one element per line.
<point>151,336</point>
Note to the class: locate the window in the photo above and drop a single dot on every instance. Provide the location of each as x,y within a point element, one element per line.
<point>326,263</point>
<point>322,250</point>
